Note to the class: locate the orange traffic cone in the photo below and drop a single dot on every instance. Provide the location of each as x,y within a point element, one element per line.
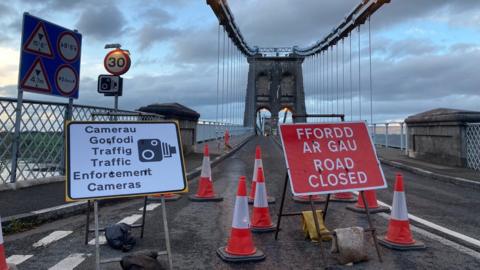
<point>258,164</point>
<point>261,221</point>
<point>343,197</point>
<point>226,138</point>
<point>3,259</point>
<point>306,199</point>
<point>205,190</point>
<point>167,196</point>
<point>399,235</point>
<point>373,206</point>
<point>240,247</point>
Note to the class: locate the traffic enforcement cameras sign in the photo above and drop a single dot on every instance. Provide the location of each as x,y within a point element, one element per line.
<point>327,158</point>
<point>110,85</point>
<point>123,159</point>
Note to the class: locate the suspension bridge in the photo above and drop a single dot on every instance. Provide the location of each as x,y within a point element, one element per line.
<point>257,88</point>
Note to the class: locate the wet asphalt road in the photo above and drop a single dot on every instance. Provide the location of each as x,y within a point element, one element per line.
<point>198,229</point>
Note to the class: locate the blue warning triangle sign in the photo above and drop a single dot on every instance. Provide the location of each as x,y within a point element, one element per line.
<point>36,78</point>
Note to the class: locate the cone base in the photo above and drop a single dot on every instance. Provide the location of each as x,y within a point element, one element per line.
<point>345,200</point>
<point>170,198</point>
<point>257,256</point>
<point>215,198</point>
<point>272,228</point>
<point>415,246</point>
<point>306,200</point>
<point>379,209</point>
<point>270,200</point>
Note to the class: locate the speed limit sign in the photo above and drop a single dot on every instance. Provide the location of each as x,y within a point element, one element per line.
<point>117,62</point>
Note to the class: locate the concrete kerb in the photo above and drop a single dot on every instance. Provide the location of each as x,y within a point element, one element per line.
<point>71,209</point>
<point>444,178</point>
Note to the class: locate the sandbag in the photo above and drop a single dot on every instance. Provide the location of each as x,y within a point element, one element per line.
<point>145,260</point>
<point>308,226</point>
<point>349,243</point>
<point>119,237</point>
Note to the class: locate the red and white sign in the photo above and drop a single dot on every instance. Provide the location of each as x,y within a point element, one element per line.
<point>36,78</point>
<point>327,158</point>
<point>117,62</point>
<point>66,80</point>
<point>68,46</point>
<point>38,42</point>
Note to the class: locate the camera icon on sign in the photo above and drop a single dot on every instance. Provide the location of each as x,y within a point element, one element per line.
<point>150,150</point>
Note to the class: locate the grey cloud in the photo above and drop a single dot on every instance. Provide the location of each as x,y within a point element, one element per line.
<point>101,22</point>
<point>150,34</point>
<point>197,46</point>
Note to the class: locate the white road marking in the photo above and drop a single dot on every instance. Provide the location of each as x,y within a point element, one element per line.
<point>68,205</point>
<point>101,239</point>
<point>18,259</point>
<point>54,236</point>
<point>444,230</point>
<point>151,206</point>
<point>130,219</point>
<point>70,262</point>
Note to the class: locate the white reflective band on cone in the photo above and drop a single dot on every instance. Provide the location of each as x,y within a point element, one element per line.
<point>258,164</point>
<point>241,218</point>
<point>260,196</point>
<point>206,170</point>
<point>399,206</point>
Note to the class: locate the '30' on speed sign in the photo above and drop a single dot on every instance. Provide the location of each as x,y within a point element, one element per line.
<point>117,62</point>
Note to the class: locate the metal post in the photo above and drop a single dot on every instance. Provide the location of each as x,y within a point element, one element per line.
<point>374,134</point>
<point>280,213</point>
<point>16,136</point>
<point>97,242</point>
<point>68,117</point>
<point>167,236</point>
<point>386,135</point>
<point>406,140</point>
<point>370,224</point>
<point>87,222</point>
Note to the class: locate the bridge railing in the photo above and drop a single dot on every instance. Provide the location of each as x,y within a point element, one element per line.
<point>390,135</point>
<point>472,138</point>
<point>211,130</point>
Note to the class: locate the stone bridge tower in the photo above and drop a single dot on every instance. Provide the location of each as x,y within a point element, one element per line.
<point>274,83</point>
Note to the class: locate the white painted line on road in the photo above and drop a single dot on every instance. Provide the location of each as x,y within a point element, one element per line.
<point>101,239</point>
<point>18,259</point>
<point>45,210</point>
<point>150,206</point>
<point>54,236</point>
<point>70,262</point>
<point>130,219</point>
<point>437,227</point>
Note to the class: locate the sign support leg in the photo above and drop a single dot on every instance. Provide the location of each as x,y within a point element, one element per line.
<point>87,223</point>
<point>97,242</point>
<point>16,136</point>
<point>167,236</point>
<point>324,214</point>
<point>280,213</point>
<point>370,224</point>
<point>143,216</point>
<point>317,228</point>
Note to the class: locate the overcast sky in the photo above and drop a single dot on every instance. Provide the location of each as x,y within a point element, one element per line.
<point>425,53</point>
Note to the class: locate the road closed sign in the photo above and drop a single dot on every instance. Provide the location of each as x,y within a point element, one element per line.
<point>123,159</point>
<point>327,158</point>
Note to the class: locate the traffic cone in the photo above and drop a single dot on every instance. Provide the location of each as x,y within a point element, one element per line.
<point>261,221</point>
<point>167,196</point>
<point>306,199</point>
<point>3,259</point>
<point>343,197</point>
<point>399,236</point>
<point>205,190</point>
<point>373,206</point>
<point>240,247</point>
<point>226,139</point>
<point>258,164</point>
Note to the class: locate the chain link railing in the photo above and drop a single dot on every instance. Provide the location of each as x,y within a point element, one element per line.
<point>473,146</point>
<point>40,152</point>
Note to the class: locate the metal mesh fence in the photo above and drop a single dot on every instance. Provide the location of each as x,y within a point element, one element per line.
<point>40,152</point>
<point>473,146</point>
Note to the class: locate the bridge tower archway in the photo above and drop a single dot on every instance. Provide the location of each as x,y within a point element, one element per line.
<point>274,83</point>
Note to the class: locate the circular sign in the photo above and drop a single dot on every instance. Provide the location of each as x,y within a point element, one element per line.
<point>68,46</point>
<point>66,80</point>
<point>117,62</point>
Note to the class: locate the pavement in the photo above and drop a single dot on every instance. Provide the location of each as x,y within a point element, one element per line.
<point>198,229</point>
<point>42,201</point>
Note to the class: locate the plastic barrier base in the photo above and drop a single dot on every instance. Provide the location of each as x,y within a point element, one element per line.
<point>263,229</point>
<point>379,209</point>
<point>215,198</point>
<point>415,246</point>
<point>270,200</point>
<point>258,256</point>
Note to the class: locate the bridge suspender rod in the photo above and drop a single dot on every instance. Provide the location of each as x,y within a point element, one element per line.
<point>223,76</point>
<point>359,78</point>
<point>218,75</point>
<point>343,75</point>
<point>351,80</point>
<point>333,84</point>
<point>370,72</point>
<point>336,63</point>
